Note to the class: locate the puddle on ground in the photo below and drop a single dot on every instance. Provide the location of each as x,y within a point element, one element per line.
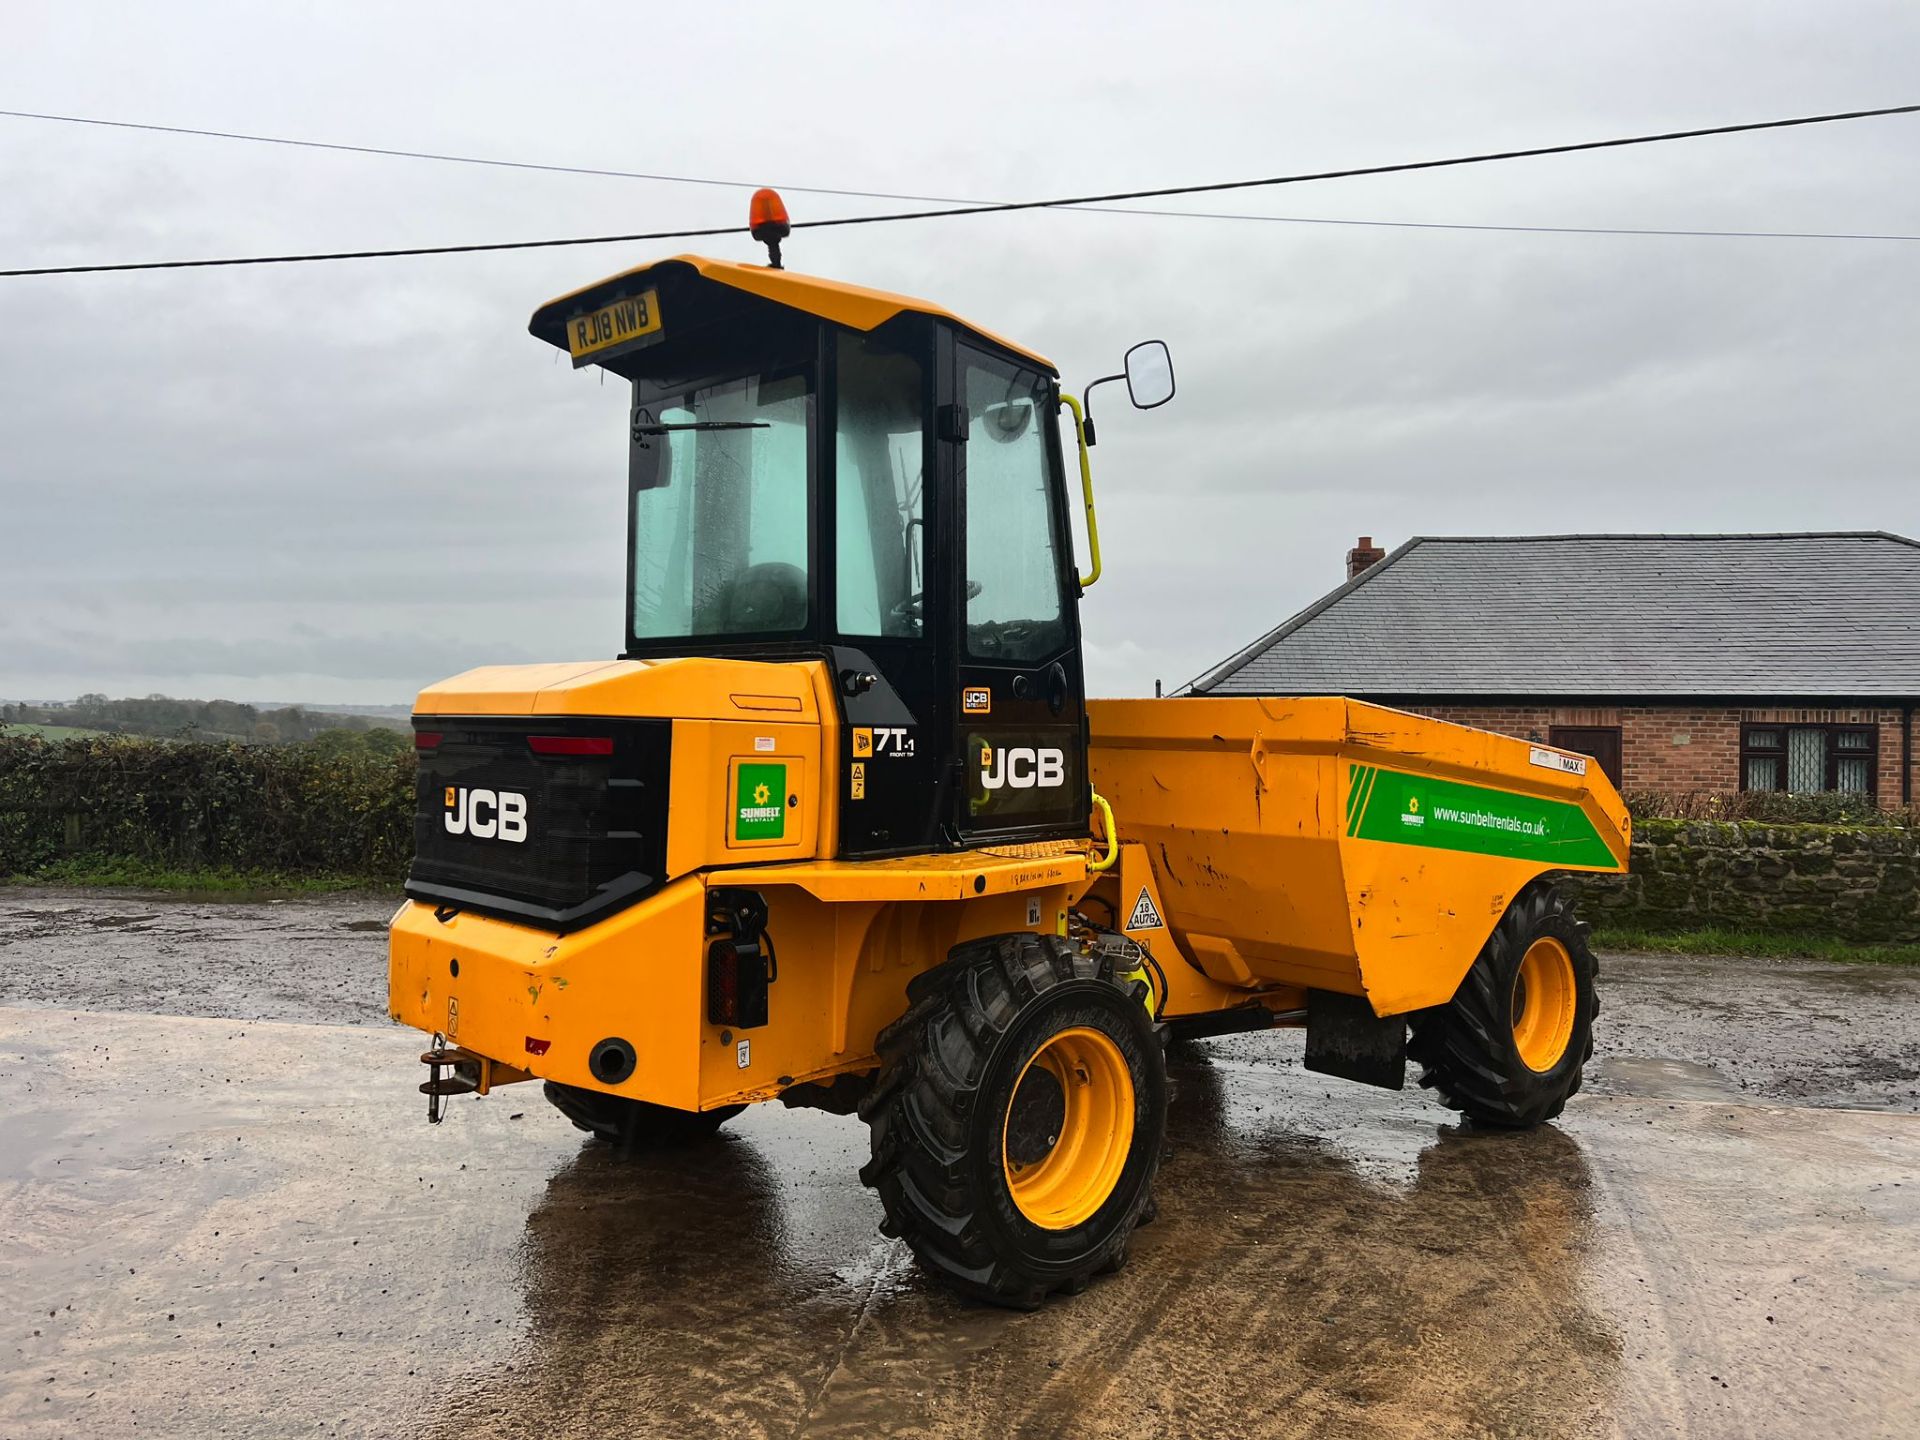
<point>1656,1077</point>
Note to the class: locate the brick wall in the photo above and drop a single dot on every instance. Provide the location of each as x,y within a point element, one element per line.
<point>1684,747</point>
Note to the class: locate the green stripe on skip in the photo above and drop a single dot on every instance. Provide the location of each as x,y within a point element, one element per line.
<point>1404,809</point>
<point>1369,776</point>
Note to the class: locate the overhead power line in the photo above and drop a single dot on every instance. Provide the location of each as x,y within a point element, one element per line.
<point>949,200</point>
<point>1502,229</point>
<point>1006,207</point>
<point>480,159</point>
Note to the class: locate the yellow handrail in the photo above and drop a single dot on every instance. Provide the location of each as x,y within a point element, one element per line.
<point>1086,485</point>
<point>1105,862</point>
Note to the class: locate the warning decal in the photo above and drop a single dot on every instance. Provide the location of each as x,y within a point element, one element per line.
<point>1144,916</point>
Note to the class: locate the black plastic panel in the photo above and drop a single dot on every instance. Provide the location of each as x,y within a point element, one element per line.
<point>595,826</point>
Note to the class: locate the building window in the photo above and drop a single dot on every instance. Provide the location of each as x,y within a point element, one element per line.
<point>1807,759</point>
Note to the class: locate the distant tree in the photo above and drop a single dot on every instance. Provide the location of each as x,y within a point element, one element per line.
<point>175,719</point>
<point>334,743</point>
<point>380,740</point>
<point>341,741</point>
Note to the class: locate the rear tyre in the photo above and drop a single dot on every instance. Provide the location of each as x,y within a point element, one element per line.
<point>1509,1048</point>
<point>635,1124</point>
<point>1018,1118</point>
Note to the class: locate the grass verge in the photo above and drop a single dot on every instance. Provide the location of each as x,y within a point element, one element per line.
<point>1754,943</point>
<point>218,880</point>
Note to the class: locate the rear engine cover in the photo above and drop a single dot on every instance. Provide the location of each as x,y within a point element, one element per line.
<point>557,840</point>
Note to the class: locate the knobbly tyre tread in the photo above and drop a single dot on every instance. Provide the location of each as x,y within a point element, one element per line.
<point>635,1124</point>
<point>965,1018</point>
<point>1465,1048</point>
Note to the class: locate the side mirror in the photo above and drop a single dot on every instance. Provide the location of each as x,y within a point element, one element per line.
<point>1149,377</point>
<point>1149,374</point>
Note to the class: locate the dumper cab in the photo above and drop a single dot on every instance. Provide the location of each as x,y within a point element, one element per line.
<point>817,473</point>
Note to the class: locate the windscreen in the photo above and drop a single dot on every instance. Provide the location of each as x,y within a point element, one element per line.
<point>1013,564</point>
<point>719,470</point>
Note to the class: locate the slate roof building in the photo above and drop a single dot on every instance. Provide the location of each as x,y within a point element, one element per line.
<point>1680,662</point>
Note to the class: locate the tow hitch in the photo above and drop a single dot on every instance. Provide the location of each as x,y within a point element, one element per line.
<point>452,1070</point>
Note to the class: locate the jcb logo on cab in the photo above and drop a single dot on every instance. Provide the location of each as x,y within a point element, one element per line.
<point>486,814</point>
<point>1021,768</point>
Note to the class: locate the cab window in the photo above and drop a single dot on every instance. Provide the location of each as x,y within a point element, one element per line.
<point>1014,608</point>
<point>720,506</point>
<point>879,484</point>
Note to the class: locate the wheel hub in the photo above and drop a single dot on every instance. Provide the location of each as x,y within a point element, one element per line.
<point>1068,1128</point>
<point>1545,997</point>
<point>1034,1118</point>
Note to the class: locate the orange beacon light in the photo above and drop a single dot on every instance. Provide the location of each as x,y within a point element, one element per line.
<point>768,223</point>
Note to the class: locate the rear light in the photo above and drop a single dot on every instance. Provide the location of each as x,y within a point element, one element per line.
<point>738,976</point>
<point>739,971</point>
<point>426,739</point>
<point>571,744</point>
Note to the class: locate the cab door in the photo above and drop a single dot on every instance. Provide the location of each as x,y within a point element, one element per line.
<point>891,620</point>
<point>1020,721</point>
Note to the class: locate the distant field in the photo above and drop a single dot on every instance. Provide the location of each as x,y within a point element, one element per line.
<point>50,732</point>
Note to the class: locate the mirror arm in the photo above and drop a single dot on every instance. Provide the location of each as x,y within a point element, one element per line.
<point>1086,398</point>
<point>1083,437</point>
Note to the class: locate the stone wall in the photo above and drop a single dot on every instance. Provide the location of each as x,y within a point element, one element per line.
<point>1854,883</point>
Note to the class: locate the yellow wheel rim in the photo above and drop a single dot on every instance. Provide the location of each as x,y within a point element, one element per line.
<point>1068,1128</point>
<point>1544,999</point>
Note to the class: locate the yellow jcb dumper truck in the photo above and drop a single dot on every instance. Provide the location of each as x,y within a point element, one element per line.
<point>839,827</point>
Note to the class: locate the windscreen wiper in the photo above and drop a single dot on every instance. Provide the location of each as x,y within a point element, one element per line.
<point>703,425</point>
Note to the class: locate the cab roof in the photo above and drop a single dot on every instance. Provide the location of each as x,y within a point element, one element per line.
<point>853,306</point>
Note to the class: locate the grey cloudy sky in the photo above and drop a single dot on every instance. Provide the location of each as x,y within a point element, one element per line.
<point>338,482</point>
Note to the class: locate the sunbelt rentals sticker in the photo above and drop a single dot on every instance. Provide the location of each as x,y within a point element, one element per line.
<point>760,803</point>
<point>1424,810</point>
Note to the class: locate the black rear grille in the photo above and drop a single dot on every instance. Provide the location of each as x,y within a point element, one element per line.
<point>592,835</point>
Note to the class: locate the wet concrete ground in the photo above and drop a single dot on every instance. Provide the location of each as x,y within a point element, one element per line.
<point>214,1221</point>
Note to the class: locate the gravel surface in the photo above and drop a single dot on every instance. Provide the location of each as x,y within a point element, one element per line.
<point>316,960</point>
<point>1804,1031</point>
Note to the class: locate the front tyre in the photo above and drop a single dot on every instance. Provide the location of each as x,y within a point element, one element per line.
<point>1508,1049</point>
<point>1018,1118</point>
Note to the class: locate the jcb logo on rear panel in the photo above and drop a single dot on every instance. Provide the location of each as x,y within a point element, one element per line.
<point>1023,768</point>
<point>486,814</point>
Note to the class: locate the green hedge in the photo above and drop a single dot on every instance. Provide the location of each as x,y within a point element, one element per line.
<point>1770,806</point>
<point>290,809</point>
